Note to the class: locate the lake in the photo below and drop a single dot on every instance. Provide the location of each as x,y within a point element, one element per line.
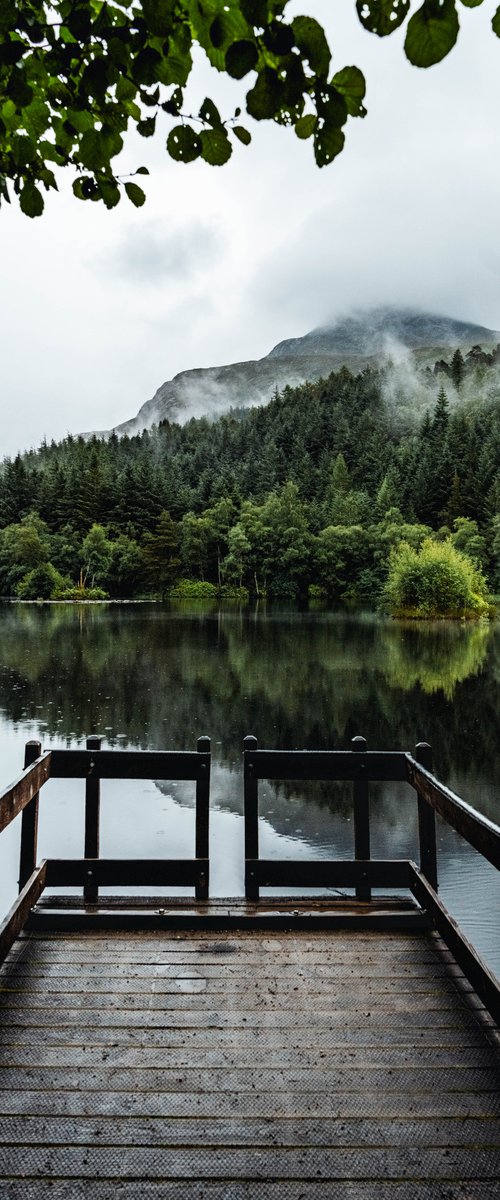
<point>151,677</point>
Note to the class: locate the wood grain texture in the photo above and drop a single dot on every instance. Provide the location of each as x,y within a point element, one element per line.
<point>250,1066</point>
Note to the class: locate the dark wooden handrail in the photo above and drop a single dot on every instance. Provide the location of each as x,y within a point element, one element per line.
<point>478,830</point>
<point>18,794</point>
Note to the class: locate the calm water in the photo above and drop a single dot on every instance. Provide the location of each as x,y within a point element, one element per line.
<point>147,677</point>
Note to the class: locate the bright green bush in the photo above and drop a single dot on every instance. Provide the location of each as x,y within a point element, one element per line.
<point>435,581</point>
<point>194,589</point>
<point>42,583</point>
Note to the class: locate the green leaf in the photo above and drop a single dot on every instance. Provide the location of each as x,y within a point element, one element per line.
<point>136,195</point>
<point>215,147</point>
<point>24,149</point>
<point>92,151</point>
<point>159,17</point>
<point>311,41</point>
<point>8,16</point>
<point>278,38</point>
<point>209,113</point>
<point>31,201</point>
<point>147,127</point>
<point>328,142</point>
<point>37,117</point>
<point>81,119</point>
<point>8,114</point>
<point>109,192</point>
<point>431,32</point>
<point>125,89</point>
<point>472,3</point>
<point>305,126</point>
<point>242,134</point>
<point>351,84</point>
<point>264,100</point>
<point>382,16</point>
<point>142,171</point>
<point>331,107</point>
<point>183,144</point>
<point>495,24</point>
<point>241,58</point>
<point>255,12</point>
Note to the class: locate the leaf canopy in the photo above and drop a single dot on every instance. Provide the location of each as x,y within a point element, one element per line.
<point>77,75</point>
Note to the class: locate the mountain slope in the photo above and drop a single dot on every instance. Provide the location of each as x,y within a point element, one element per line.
<point>355,341</point>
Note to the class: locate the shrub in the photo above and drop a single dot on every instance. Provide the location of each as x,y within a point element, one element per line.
<point>42,583</point>
<point>435,581</point>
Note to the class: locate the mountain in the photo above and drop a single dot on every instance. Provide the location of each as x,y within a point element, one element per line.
<point>358,340</point>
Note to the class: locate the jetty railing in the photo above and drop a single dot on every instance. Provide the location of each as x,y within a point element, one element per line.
<point>361,767</point>
<point>362,874</point>
<point>91,872</point>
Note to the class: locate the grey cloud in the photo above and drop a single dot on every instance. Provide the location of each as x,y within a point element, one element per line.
<point>156,252</point>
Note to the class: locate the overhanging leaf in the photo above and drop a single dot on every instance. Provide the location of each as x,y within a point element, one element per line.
<point>351,84</point>
<point>183,144</point>
<point>31,201</point>
<point>264,100</point>
<point>431,32</point>
<point>311,41</point>
<point>328,142</point>
<point>241,58</point>
<point>135,194</point>
<point>215,147</point>
<point>242,134</point>
<point>305,126</point>
<point>495,24</point>
<point>382,16</point>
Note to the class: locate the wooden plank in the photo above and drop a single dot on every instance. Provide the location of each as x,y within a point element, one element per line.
<point>129,764</point>
<point>20,793</point>
<point>236,1081</point>
<point>245,1189</point>
<point>192,919</point>
<point>477,829</point>
<point>356,1106</point>
<point>328,765</point>
<point>332,873</point>
<point>321,1059</point>
<point>67,1028</point>
<point>237,1132</point>
<point>121,872</point>
<point>136,1163</point>
<point>481,978</point>
<point>16,917</point>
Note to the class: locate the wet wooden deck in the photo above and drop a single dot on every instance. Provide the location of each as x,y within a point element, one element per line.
<point>245,1066</point>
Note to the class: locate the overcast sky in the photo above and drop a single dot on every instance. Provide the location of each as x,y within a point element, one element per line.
<point>99,308</point>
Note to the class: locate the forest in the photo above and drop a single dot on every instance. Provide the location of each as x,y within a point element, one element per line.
<point>316,496</point>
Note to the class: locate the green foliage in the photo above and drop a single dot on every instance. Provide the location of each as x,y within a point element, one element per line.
<point>435,581</point>
<point>75,77</point>
<point>194,589</point>
<point>42,583</point>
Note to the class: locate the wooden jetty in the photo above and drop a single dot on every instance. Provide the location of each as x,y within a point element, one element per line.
<point>261,1048</point>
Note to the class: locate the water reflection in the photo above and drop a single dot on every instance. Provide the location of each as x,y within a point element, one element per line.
<point>149,677</point>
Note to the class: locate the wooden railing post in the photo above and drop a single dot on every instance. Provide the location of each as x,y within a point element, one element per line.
<point>361,817</point>
<point>92,805</point>
<point>251,801</point>
<point>202,815</point>
<point>426,822</point>
<point>29,826</point>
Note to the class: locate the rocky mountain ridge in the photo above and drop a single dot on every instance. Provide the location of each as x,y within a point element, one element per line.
<point>358,340</point>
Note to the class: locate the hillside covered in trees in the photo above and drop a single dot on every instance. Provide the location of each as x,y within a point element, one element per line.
<point>307,496</point>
